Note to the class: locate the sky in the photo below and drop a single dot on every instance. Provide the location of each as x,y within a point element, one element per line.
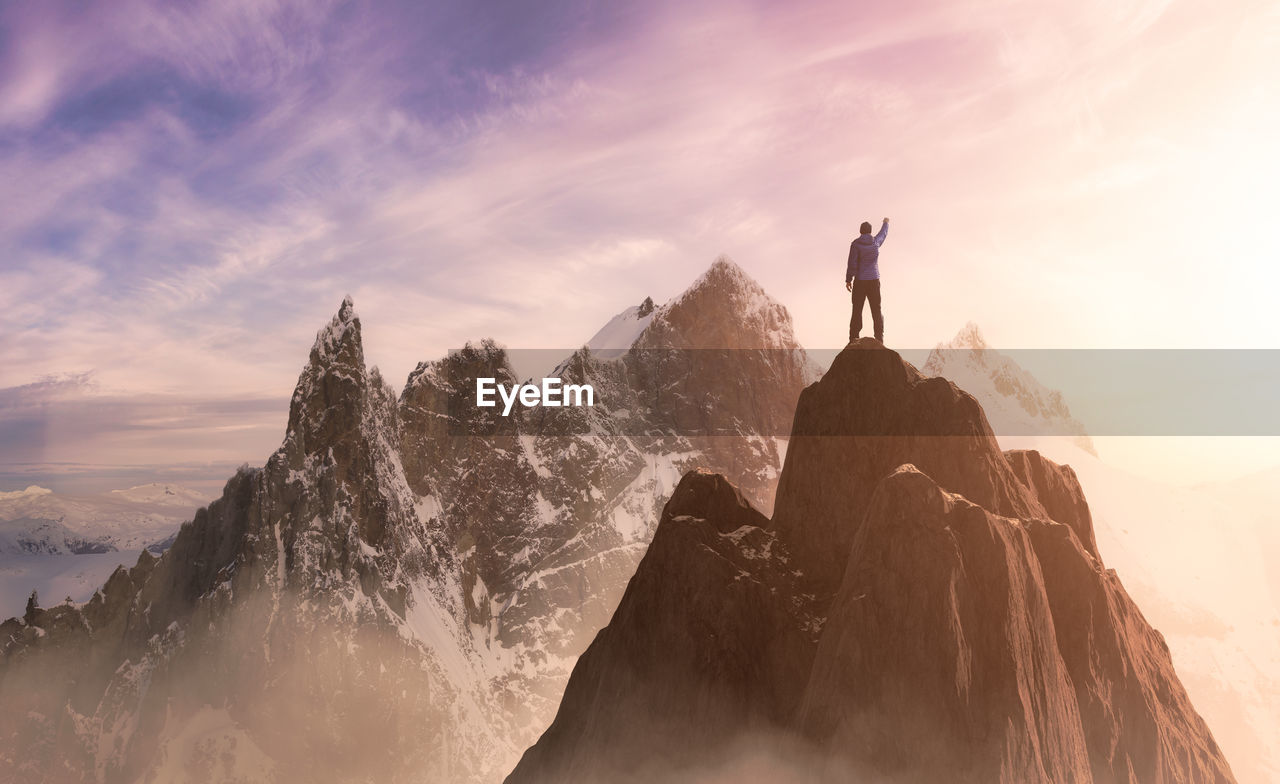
<point>188,190</point>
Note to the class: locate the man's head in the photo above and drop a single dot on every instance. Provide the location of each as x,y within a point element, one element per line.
<point>865,228</point>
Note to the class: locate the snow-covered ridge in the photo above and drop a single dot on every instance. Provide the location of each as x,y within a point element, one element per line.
<point>726,269</point>
<point>724,291</point>
<point>28,536</point>
<point>492,561</point>
<point>121,519</point>
<point>160,493</point>
<point>688,320</point>
<point>66,545</point>
<point>1014,401</point>
<point>620,333</point>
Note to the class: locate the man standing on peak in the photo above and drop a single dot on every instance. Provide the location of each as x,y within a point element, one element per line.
<point>862,277</point>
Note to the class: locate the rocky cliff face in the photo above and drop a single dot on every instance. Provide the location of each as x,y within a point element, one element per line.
<point>1191,557</point>
<point>921,607</point>
<point>400,592</point>
<point>302,621</point>
<point>550,510</point>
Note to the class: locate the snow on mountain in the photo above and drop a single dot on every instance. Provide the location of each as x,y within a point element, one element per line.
<point>56,577</point>
<point>308,620</point>
<point>552,509</point>
<point>37,536</point>
<point>439,568</point>
<point>693,319</point>
<point>436,567</point>
<point>66,545</point>
<point>1196,560</point>
<point>616,337</point>
<point>121,519</point>
<point>1015,402</point>
<point>696,318</point>
<point>163,494</point>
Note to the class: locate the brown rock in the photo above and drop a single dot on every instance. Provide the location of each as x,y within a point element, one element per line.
<point>901,624</point>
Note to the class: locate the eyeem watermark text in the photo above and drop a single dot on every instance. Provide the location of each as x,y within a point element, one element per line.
<point>552,393</point>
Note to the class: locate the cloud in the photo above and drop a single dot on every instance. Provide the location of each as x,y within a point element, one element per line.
<point>57,431</point>
<point>188,190</point>
<point>45,391</point>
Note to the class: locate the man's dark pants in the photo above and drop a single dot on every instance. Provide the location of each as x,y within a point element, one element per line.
<point>864,290</point>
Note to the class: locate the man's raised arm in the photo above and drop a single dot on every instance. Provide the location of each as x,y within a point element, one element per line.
<point>884,232</point>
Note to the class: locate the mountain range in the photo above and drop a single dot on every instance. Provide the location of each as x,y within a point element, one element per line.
<point>403,569</point>
<point>402,591</point>
<point>39,521</point>
<point>66,546</point>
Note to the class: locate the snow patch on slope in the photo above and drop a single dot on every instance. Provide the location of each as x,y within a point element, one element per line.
<point>55,577</point>
<point>164,494</point>
<point>614,338</point>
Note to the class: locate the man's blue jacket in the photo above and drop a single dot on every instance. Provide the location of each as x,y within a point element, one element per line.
<point>864,256</point>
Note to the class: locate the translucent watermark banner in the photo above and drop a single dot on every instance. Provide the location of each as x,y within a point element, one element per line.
<point>661,392</point>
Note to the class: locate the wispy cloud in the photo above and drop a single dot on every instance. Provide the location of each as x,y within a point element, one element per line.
<point>187,190</point>
<point>60,429</point>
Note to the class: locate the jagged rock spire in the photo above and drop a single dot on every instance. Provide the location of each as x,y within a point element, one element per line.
<point>328,400</point>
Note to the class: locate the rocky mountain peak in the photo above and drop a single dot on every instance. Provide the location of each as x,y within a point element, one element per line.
<point>723,309</point>
<point>969,336</point>
<point>328,400</point>
<point>724,271</point>
<point>461,367</point>
<point>399,585</point>
<point>437,403</point>
<point>706,495</point>
<point>446,387</point>
<point>870,413</point>
<point>919,609</point>
<point>340,338</point>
